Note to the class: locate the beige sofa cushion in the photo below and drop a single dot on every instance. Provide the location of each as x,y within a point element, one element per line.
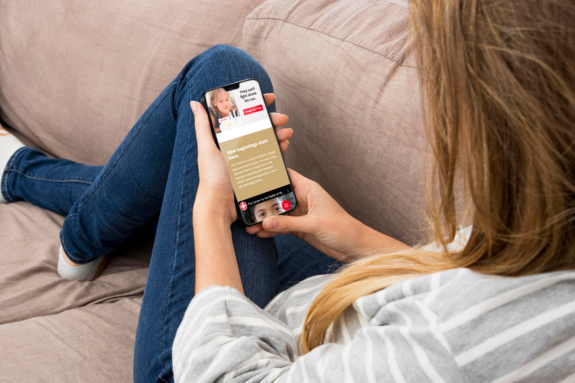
<point>29,283</point>
<point>342,73</point>
<point>76,75</point>
<point>90,344</point>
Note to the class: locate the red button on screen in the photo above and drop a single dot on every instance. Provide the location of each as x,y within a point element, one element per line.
<point>243,206</point>
<point>286,205</point>
<point>253,109</point>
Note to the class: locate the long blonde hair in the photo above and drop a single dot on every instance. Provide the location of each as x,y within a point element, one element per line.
<point>498,94</point>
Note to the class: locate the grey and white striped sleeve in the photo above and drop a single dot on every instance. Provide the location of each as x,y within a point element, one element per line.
<point>225,337</point>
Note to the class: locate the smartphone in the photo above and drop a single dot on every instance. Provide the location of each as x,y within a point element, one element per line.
<point>243,130</point>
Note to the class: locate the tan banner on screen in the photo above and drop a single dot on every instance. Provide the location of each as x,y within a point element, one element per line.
<point>255,164</point>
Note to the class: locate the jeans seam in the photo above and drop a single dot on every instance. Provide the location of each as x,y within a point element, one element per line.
<point>124,150</point>
<point>31,176</point>
<point>167,301</point>
<point>4,181</point>
<point>188,81</point>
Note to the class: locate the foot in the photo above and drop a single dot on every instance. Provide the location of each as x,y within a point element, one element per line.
<point>67,260</point>
<point>8,146</point>
<point>80,272</point>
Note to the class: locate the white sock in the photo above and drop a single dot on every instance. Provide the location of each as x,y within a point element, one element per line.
<point>8,146</point>
<point>83,272</point>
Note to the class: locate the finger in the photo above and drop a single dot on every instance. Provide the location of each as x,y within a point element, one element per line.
<point>267,234</point>
<point>254,229</point>
<point>284,134</point>
<point>203,132</point>
<point>302,185</point>
<point>296,177</point>
<point>284,146</point>
<point>279,119</point>
<point>259,231</point>
<point>269,98</point>
<point>289,224</point>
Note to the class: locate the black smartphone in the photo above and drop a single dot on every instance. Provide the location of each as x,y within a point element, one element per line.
<point>243,130</point>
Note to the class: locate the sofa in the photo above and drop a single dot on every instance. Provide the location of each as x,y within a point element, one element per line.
<point>76,75</point>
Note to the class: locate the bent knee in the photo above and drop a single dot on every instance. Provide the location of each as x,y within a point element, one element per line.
<point>227,55</point>
<point>222,65</point>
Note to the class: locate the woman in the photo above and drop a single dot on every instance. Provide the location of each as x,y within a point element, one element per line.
<point>494,302</point>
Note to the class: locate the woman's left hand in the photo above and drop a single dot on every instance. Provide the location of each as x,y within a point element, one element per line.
<point>215,197</point>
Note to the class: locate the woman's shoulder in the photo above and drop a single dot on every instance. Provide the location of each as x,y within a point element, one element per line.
<point>463,292</point>
<point>291,305</point>
<point>486,322</point>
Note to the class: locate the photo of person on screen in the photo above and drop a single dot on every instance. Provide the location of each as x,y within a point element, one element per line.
<point>222,105</point>
<point>271,207</point>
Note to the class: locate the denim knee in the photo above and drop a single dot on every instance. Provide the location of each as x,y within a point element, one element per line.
<point>226,52</point>
<point>233,57</point>
<point>222,65</point>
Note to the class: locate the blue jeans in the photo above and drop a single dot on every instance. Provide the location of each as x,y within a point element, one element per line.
<point>151,180</point>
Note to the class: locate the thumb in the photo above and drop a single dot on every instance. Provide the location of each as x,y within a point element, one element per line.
<point>203,130</point>
<point>289,224</point>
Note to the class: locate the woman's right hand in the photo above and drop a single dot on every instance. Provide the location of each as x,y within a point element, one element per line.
<point>318,220</point>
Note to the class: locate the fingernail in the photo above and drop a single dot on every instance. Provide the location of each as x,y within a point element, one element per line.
<point>271,223</point>
<point>286,116</point>
<point>194,106</point>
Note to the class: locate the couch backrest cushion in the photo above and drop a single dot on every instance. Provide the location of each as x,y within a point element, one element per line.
<point>342,72</point>
<point>76,75</point>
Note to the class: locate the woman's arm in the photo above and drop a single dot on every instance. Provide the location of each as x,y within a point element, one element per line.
<point>372,242</point>
<point>216,262</point>
<point>214,212</point>
<point>321,222</point>
<point>214,207</point>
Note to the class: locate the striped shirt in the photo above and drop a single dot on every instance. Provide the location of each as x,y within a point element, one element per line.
<point>452,326</point>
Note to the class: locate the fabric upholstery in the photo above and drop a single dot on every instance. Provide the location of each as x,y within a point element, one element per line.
<point>76,75</point>
<point>343,73</point>
<point>29,283</point>
<point>90,344</point>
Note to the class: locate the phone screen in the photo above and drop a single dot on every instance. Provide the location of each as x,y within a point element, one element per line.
<point>248,142</point>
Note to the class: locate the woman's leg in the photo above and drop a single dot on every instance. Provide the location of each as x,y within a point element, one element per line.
<point>171,279</point>
<point>297,261</point>
<point>56,184</point>
<point>129,190</point>
<point>52,184</point>
<point>104,206</point>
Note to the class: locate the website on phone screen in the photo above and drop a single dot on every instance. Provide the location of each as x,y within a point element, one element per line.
<point>248,143</point>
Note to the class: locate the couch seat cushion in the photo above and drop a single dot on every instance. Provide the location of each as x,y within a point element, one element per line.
<point>89,344</point>
<point>29,283</point>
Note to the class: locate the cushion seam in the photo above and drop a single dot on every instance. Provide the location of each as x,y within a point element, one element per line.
<point>334,37</point>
